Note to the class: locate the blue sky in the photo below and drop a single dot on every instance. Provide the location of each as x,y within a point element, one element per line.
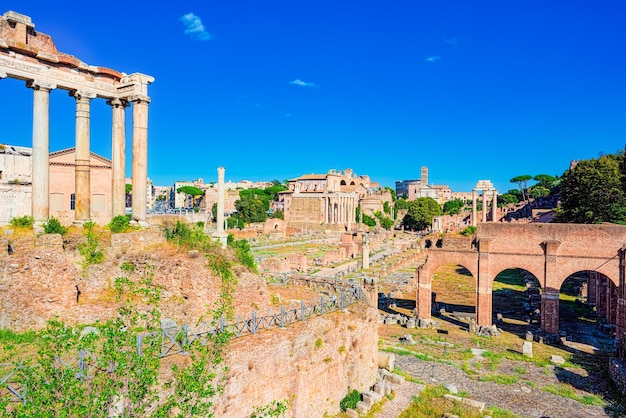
<point>276,89</point>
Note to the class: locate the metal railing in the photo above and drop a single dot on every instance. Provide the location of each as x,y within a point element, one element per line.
<point>177,340</point>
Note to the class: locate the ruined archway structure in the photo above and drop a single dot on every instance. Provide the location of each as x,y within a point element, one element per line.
<point>29,55</point>
<point>551,252</point>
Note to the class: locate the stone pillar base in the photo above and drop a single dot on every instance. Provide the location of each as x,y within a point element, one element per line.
<point>221,236</point>
<point>142,224</point>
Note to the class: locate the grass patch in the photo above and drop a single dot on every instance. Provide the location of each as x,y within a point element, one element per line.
<point>431,403</point>
<point>567,392</point>
<point>501,379</point>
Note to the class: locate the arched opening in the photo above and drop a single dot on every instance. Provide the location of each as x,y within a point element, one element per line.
<point>343,183</point>
<point>587,311</point>
<point>516,301</point>
<point>454,294</point>
<point>352,183</point>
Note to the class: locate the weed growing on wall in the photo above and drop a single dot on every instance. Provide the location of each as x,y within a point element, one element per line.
<point>90,250</point>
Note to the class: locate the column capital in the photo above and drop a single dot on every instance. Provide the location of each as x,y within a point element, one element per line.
<point>82,94</point>
<point>138,99</point>
<point>38,84</point>
<point>118,102</point>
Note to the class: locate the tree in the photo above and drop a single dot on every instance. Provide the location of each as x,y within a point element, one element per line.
<point>192,191</point>
<point>401,204</point>
<point>251,208</point>
<point>545,180</point>
<point>522,183</point>
<point>593,192</point>
<point>420,213</point>
<point>453,207</point>
<point>508,198</point>
<point>214,210</point>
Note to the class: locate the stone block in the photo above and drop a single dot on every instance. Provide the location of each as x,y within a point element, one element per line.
<point>379,388</point>
<point>376,397</point>
<point>386,360</point>
<point>558,360</point>
<point>351,413</point>
<point>527,349</point>
<point>362,408</point>
<point>367,400</point>
<point>394,378</point>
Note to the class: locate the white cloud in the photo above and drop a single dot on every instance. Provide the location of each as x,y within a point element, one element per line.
<point>433,58</point>
<point>298,82</point>
<point>194,27</point>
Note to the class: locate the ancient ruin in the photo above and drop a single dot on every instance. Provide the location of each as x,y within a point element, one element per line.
<point>550,252</point>
<point>30,55</point>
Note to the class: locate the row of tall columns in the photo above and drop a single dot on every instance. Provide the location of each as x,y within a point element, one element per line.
<point>494,205</point>
<point>41,152</point>
<point>339,210</point>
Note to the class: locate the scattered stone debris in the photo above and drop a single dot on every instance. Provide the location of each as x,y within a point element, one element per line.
<point>527,349</point>
<point>558,360</point>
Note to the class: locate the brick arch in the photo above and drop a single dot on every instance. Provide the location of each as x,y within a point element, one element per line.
<point>551,252</point>
<point>532,265</point>
<point>424,275</point>
<point>512,266</point>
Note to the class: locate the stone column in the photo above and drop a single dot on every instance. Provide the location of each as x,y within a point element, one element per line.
<point>140,160</point>
<point>83,156</point>
<point>118,157</point>
<point>41,150</point>
<point>484,206</point>
<point>423,298</point>
<point>366,254</point>
<point>484,312</point>
<point>474,208</point>
<point>550,295</point>
<point>220,234</point>
<point>494,206</point>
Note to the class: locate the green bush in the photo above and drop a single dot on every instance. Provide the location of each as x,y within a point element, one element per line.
<point>53,226</point>
<point>25,221</point>
<point>350,401</point>
<point>470,230</point>
<point>369,221</point>
<point>242,250</point>
<point>120,223</point>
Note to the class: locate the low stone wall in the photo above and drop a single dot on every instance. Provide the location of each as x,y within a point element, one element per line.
<point>617,371</point>
<point>311,364</point>
<point>136,239</point>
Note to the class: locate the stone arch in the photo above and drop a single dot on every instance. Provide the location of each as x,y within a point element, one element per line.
<point>500,263</point>
<point>434,260</point>
<point>568,267</point>
<point>352,183</point>
<point>516,299</point>
<point>343,183</point>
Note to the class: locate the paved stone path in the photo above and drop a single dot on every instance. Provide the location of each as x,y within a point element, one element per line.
<point>403,395</point>
<point>517,398</point>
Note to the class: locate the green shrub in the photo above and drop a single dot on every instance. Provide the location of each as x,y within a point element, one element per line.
<point>25,221</point>
<point>470,230</point>
<point>120,223</point>
<point>368,220</point>
<point>242,250</point>
<point>53,226</point>
<point>350,400</point>
<point>90,250</point>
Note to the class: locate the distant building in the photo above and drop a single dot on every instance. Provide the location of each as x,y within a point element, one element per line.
<point>16,185</point>
<point>329,201</point>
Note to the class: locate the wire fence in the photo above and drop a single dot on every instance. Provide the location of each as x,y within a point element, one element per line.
<point>178,339</point>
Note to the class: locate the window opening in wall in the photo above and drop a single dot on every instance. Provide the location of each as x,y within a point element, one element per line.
<point>73,201</point>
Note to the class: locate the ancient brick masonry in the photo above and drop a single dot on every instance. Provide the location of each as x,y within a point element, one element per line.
<point>550,252</point>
